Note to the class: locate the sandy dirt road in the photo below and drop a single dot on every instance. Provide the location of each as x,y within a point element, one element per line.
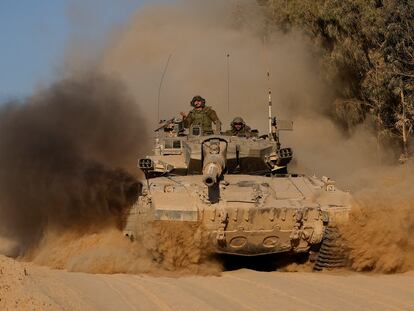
<point>234,290</point>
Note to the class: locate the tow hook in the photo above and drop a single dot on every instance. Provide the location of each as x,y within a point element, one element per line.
<point>221,238</point>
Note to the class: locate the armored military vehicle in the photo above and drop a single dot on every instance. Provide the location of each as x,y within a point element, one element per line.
<point>242,193</point>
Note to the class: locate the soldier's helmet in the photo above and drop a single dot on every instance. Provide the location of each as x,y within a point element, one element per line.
<point>198,98</point>
<point>237,120</point>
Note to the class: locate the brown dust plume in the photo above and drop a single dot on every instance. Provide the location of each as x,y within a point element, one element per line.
<point>65,156</point>
<point>380,232</point>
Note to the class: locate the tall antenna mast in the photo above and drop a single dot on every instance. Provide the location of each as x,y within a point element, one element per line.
<point>159,88</point>
<point>228,82</point>
<point>270,106</point>
<point>269,88</point>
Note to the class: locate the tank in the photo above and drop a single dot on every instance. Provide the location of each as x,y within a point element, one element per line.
<point>241,192</point>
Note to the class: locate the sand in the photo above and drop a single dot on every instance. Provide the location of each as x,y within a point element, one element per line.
<point>25,286</point>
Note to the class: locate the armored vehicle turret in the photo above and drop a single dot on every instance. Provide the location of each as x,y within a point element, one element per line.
<point>240,191</point>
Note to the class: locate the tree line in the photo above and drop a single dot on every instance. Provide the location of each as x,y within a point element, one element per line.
<point>367,56</point>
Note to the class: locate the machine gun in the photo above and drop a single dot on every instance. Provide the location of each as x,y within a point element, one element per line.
<point>172,125</point>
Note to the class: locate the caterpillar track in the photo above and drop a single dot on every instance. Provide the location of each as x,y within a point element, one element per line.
<point>332,253</point>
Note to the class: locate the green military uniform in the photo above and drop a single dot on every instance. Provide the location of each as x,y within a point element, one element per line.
<point>245,131</point>
<point>202,117</point>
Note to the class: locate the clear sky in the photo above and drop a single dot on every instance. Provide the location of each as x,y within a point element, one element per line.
<point>34,35</point>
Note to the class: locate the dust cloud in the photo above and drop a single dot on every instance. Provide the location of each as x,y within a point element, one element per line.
<point>198,35</point>
<point>64,161</point>
<point>167,250</point>
<point>380,232</point>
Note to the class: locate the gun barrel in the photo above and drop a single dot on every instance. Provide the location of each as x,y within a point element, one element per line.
<point>214,161</point>
<point>211,173</point>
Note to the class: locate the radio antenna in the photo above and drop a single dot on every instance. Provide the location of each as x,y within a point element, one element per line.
<point>269,92</point>
<point>228,82</point>
<point>159,88</point>
<point>270,105</point>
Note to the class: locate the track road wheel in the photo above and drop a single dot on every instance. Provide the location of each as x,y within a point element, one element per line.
<point>331,253</point>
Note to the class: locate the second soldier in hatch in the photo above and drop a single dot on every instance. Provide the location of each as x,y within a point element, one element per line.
<point>239,128</point>
<point>202,116</point>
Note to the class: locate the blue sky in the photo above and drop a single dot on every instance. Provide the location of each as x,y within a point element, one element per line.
<point>34,35</point>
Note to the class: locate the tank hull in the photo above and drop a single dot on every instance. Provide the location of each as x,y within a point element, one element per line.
<point>254,215</point>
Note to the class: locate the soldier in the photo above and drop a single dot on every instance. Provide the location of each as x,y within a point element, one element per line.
<point>239,128</point>
<point>202,115</point>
